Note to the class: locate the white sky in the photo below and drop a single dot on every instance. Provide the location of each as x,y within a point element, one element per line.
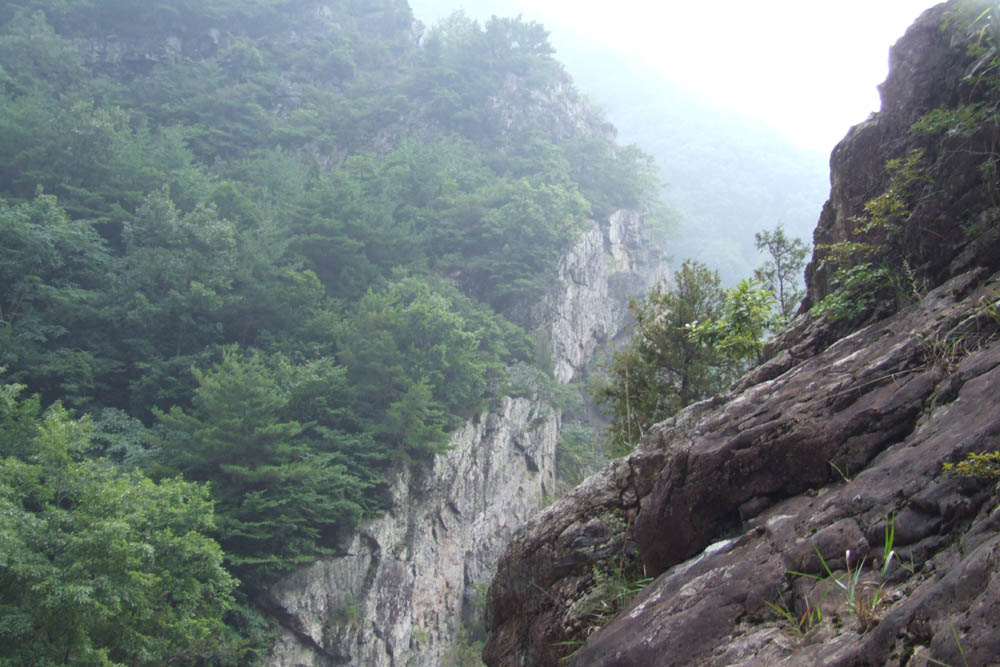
<point>806,67</point>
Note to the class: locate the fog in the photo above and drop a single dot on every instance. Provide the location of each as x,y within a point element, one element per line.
<point>739,102</point>
<point>809,69</point>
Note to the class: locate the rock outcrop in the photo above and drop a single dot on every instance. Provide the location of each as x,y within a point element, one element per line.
<point>398,597</point>
<point>833,448</point>
<point>611,262</point>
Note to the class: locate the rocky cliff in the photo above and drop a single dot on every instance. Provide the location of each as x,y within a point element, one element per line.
<point>613,261</point>
<point>398,597</point>
<point>766,517</point>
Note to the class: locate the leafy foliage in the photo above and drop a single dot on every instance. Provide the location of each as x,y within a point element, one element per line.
<point>738,333</point>
<point>99,566</point>
<point>615,582</point>
<point>664,367</point>
<point>691,342</point>
<point>51,268</point>
<point>277,256</point>
<point>877,268</point>
<point>279,501</point>
<point>781,273</point>
<point>984,465</point>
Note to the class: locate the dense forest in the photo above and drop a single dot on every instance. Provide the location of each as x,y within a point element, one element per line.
<point>256,256</point>
<point>726,175</point>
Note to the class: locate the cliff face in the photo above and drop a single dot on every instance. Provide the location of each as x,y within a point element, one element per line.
<point>399,596</point>
<point>832,448</point>
<point>612,261</point>
<point>938,65</point>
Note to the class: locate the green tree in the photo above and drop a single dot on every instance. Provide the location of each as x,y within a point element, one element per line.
<point>503,240</point>
<point>738,334</point>
<point>415,424</point>
<point>171,298</point>
<point>279,502</point>
<point>37,58</point>
<point>782,272</point>
<point>52,269</point>
<point>98,566</point>
<point>419,352</point>
<point>252,192</point>
<point>664,368</point>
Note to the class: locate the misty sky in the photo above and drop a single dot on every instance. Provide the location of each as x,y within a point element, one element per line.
<point>807,67</point>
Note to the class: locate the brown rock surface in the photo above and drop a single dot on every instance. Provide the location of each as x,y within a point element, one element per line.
<point>843,431</point>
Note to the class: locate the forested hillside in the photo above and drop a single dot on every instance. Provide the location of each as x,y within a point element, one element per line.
<point>726,175</point>
<point>262,253</point>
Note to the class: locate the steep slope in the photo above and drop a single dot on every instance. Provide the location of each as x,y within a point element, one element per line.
<point>327,265</point>
<point>828,456</point>
<point>399,596</point>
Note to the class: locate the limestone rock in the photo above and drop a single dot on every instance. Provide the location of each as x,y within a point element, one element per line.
<point>558,108</point>
<point>397,599</point>
<point>610,263</point>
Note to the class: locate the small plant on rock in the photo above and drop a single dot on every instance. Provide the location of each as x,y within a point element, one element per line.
<point>864,593</point>
<point>863,596</point>
<point>347,614</point>
<point>613,590</point>
<point>800,624</point>
<point>874,265</point>
<point>982,465</point>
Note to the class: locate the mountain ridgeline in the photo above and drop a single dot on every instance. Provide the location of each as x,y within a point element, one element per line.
<point>264,255</point>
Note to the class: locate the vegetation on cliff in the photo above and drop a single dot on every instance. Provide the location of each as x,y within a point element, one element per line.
<point>692,340</point>
<point>838,504</point>
<point>270,247</point>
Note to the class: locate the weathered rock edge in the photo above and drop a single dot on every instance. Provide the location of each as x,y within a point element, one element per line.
<point>398,597</point>
<point>723,500</point>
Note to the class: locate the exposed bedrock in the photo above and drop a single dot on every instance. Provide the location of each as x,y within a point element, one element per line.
<point>833,444</point>
<point>397,598</point>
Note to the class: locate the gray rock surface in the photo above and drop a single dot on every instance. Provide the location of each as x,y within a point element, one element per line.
<point>840,435</point>
<point>398,597</point>
<point>612,262</point>
<point>877,403</point>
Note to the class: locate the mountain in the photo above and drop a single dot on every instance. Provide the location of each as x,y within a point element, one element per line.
<point>838,505</point>
<point>281,264</point>
<point>726,176</point>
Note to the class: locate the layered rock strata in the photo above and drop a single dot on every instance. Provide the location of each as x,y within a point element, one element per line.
<point>748,509</point>
<point>733,494</point>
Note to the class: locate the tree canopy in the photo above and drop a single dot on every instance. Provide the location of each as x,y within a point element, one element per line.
<point>264,257</point>
<point>97,565</point>
<point>664,367</point>
<point>691,340</point>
